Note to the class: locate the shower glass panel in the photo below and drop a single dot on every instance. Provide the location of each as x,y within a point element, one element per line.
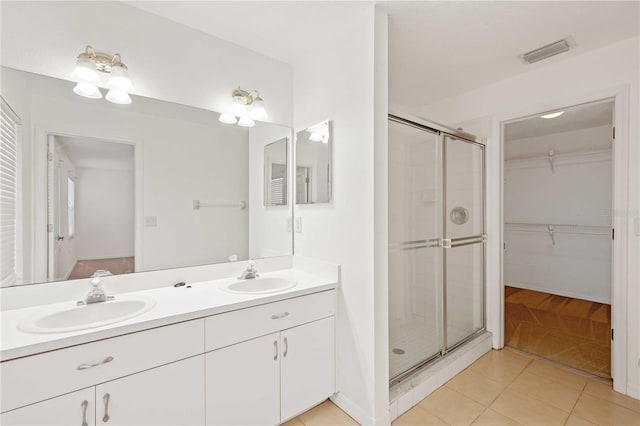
<point>464,226</point>
<point>415,259</point>
<point>436,244</point>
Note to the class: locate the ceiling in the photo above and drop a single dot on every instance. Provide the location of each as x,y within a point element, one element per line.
<point>437,49</point>
<point>97,154</point>
<point>574,118</point>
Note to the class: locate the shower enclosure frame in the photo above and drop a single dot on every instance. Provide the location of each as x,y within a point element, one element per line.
<point>445,243</point>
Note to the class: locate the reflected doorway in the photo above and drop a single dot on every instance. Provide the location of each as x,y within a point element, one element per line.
<point>91,208</point>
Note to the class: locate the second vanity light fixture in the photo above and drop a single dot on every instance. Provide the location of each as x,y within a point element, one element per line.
<point>246,107</point>
<point>89,63</point>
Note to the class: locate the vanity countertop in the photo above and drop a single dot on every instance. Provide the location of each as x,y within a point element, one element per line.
<point>173,304</point>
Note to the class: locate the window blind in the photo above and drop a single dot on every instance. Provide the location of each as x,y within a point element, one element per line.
<point>277,191</point>
<point>9,220</point>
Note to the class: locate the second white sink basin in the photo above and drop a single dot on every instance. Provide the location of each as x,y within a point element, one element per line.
<point>57,320</point>
<point>260,285</point>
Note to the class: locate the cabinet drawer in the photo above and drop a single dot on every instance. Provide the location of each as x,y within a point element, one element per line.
<point>244,324</point>
<point>35,378</point>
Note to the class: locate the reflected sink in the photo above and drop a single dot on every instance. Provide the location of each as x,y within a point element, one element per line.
<point>259,285</point>
<point>62,320</point>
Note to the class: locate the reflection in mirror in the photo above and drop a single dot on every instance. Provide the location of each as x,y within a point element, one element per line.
<point>275,173</point>
<point>102,188</point>
<point>313,164</point>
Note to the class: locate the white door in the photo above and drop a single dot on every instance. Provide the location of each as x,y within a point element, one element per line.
<point>307,366</point>
<point>243,382</point>
<point>169,395</point>
<point>76,408</point>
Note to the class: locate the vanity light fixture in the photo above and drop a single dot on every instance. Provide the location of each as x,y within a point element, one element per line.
<point>552,115</point>
<point>245,108</point>
<point>86,74</point>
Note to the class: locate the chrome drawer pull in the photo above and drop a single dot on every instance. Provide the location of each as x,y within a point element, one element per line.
<point>275,350</point>
<point>84,406</point>
<point>105,399</point>
<point>286,347</point>
<point>87,366</point>
<point>278,316</point>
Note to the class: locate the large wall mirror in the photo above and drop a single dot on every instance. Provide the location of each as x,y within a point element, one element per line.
<point>111,189</point>
<point>313,164</point>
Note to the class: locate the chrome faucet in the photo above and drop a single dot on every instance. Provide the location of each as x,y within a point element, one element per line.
<point>251,272</point>
<point>96,293</point>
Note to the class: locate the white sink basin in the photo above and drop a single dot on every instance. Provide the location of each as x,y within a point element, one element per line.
<point>260,285</point>
<point>62,320</point>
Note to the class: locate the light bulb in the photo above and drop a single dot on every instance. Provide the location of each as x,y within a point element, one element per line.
<point>246,122</point>
<point>87,90</point>
<point>119,79</point>
<point>315,137</point>
<point>552,115</point>
<point>85,71</point>
<point>257,110</point>
<point>227,118</point>
<point>118,97</point>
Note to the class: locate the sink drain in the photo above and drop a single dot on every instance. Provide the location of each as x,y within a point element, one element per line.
<point>397,351</point>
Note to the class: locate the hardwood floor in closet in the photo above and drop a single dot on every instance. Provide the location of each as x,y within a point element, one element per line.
<point>573,332</point>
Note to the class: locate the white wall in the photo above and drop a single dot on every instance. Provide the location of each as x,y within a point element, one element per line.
<point>183,153</point>
<point>105,213</point>
<point>577,79</point>
<point>269,234</point>
<point>578,193</point>
<point>337,83</point>
<point>166,60</point>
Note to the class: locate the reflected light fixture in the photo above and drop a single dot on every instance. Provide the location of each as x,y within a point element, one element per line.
<point>245,108</point>
<point>552,115</point>
<point>319,132</point>
<point>91,65</point>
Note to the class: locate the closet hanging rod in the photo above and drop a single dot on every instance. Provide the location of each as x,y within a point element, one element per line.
<point>546,231</point>
<point>555,224</point>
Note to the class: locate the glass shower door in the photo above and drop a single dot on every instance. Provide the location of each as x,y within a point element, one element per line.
<point>464,240</point>
<point>415,256</point>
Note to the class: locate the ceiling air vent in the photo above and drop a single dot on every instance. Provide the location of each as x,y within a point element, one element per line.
<point>545,52</point>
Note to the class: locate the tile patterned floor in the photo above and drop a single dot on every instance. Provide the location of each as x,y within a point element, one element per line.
<point>117,266</point>
<point>569,331</point>
<point>507,388</point>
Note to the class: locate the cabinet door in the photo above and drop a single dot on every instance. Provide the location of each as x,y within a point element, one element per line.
<point>307,367</point>
<point>76,408</point>
<point>172,394</point>
<point>243,383</point>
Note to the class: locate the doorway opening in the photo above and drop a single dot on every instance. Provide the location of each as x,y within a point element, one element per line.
<point>91,208</point>
<point>558,230</point>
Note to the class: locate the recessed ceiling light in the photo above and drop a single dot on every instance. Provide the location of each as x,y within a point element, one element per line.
<point>552,115</point>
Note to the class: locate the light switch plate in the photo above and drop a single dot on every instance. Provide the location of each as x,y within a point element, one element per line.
<point>151,221</point>
<point>298,224</point>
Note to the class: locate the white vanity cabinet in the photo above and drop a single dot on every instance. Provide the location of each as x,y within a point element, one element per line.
<point>167,395</point>
<point>272,378</point>
<point>76,408</point>
<point>262,364</point>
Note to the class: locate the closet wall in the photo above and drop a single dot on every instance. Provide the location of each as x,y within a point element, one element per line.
<point>572,257</point>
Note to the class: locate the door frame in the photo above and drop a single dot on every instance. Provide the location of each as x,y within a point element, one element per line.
<point>40,167</point>
<point>619,250</point>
